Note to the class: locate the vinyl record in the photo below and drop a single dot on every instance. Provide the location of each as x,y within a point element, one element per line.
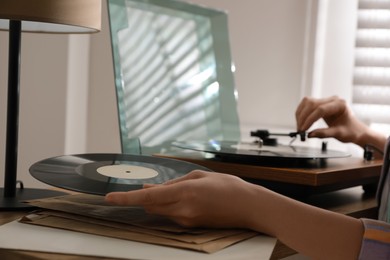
<point>253,150</point>
<point>103,173</point>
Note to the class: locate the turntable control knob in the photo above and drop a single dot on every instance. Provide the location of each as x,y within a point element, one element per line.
<point>324,146</point>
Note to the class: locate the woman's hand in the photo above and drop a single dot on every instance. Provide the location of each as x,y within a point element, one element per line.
<point>197,199</point>
<point>342,124</point>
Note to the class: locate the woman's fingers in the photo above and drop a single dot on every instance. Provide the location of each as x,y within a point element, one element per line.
<point>310,110</point>
<point>160,194</point>
<point>153,194</point>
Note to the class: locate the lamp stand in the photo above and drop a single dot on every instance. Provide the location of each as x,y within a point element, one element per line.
<point>13,197</point>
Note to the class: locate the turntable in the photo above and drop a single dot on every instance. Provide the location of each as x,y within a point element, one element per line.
<point>290,169</point>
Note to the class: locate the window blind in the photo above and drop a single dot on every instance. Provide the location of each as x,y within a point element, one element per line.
<point>371,79</point>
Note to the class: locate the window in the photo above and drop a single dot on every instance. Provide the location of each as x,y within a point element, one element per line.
<point>371,79</point>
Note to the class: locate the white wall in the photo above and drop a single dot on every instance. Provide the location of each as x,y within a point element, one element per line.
<point>267,42</point>
<point>103,130</point>
<point>42,110</point>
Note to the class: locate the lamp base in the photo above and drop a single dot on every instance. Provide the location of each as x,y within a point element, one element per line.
<point>22,194</point>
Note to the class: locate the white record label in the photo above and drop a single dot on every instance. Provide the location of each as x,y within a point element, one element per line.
<point>124,171</point>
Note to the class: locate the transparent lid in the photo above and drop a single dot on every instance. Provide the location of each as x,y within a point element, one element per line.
<point>173,74</point>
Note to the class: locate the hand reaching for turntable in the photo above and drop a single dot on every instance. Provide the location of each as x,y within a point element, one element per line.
<point>220,200</point>
<point>342,124</point>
